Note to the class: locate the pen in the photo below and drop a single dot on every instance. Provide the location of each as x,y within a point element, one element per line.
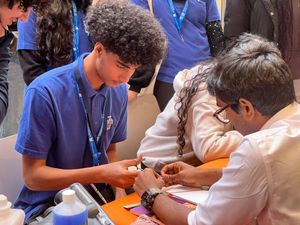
<point>98,193</point>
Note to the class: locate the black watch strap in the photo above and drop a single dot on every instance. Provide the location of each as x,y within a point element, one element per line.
<point>148,197</point>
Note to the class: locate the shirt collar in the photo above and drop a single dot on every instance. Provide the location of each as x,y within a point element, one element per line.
<point>90,92</point>
<point>287,111</point>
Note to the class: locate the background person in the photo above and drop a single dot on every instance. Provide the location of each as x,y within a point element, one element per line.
<point>276,20</point>
<point>10,11</point>
<point>194,34</point>
<point>53,36</point>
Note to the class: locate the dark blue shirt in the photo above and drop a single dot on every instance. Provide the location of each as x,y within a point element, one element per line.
<point>195,47</point>
<point>53,125</point>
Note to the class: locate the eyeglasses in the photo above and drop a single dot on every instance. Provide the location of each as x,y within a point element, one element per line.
<point>220,114</point>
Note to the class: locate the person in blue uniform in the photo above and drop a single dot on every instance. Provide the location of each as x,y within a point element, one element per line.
<point>74,115</point>
<point>194,34</point>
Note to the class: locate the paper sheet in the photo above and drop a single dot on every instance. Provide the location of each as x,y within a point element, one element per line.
<point>192,195</point>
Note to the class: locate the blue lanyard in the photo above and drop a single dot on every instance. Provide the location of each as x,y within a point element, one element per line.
<point>179,21</point>
<point>93,147</point>
<point>75,27</point>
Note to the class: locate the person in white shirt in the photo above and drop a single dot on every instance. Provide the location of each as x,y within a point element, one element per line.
<point>186,130</point>
<point>253,85</point>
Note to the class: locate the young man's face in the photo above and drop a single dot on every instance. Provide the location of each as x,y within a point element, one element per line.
<point>8,16</point>
<point>236,119</point>
<point>112,71</point>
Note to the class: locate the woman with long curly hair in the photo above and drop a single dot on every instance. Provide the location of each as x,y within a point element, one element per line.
<point>186,130</point>
<point>53,36</point>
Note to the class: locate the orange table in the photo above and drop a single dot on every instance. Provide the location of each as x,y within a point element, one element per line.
<point>121,216</point>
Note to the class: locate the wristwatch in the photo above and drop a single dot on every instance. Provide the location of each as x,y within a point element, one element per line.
<point>149,196</point>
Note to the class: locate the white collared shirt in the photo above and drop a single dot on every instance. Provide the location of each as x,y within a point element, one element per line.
<point>206,137</point>
<point>261,184</point>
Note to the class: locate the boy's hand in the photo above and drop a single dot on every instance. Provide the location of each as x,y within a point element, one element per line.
<point>117,173</point>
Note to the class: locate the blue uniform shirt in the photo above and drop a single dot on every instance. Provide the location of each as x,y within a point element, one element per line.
<point>53,125</point>
<point>195,47</point>
<point>27,34</point>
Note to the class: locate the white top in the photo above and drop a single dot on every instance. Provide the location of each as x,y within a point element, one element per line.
<point>206,137</point>
<point>262,179</point>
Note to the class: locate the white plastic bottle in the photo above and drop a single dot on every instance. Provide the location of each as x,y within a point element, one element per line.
<point>70,211</point>
<point>9,216</point>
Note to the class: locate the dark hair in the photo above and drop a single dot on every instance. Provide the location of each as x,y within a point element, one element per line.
<point>127,31</point>
<point>253,69</point>
<point>23,3</point>
<point>54,29</point>
<point>184,101</point>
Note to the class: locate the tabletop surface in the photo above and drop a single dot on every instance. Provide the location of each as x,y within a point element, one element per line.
<point>122,216</point>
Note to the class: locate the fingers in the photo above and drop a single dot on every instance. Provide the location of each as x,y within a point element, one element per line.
<point>119,175</point>
<point>168,169</point>
<point>150,172</point>
<point>161,182</point>
<point>172,168</point>
<point>139,159</point>
<point>126,180</point>
<point>133,162</point>
<point>156,174</point>
<point>138,188</point>
<point>146,179</point>
<point>132,173</point>
<point>171,180</point>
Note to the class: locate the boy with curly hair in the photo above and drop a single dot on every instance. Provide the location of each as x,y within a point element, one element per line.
<point>74,115</point>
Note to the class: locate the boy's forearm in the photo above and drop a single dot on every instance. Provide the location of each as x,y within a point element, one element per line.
<point>49,178</point>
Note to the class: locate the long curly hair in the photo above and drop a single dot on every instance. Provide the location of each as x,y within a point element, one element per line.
<point>54,30</point>
<point>184,101</point>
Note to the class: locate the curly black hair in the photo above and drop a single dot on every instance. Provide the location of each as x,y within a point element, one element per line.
<point>54,29</point>
<point>127,31</point>
<point>184,100</point>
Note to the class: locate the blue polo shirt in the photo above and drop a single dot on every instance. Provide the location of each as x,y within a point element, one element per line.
<point>53,125</point>
<point>27,34</point>
<point>195,47</point>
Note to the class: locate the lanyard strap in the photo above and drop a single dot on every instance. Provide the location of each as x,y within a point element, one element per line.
<point>75,27</point>
<point>179,21</point>
<point>101,133</point>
